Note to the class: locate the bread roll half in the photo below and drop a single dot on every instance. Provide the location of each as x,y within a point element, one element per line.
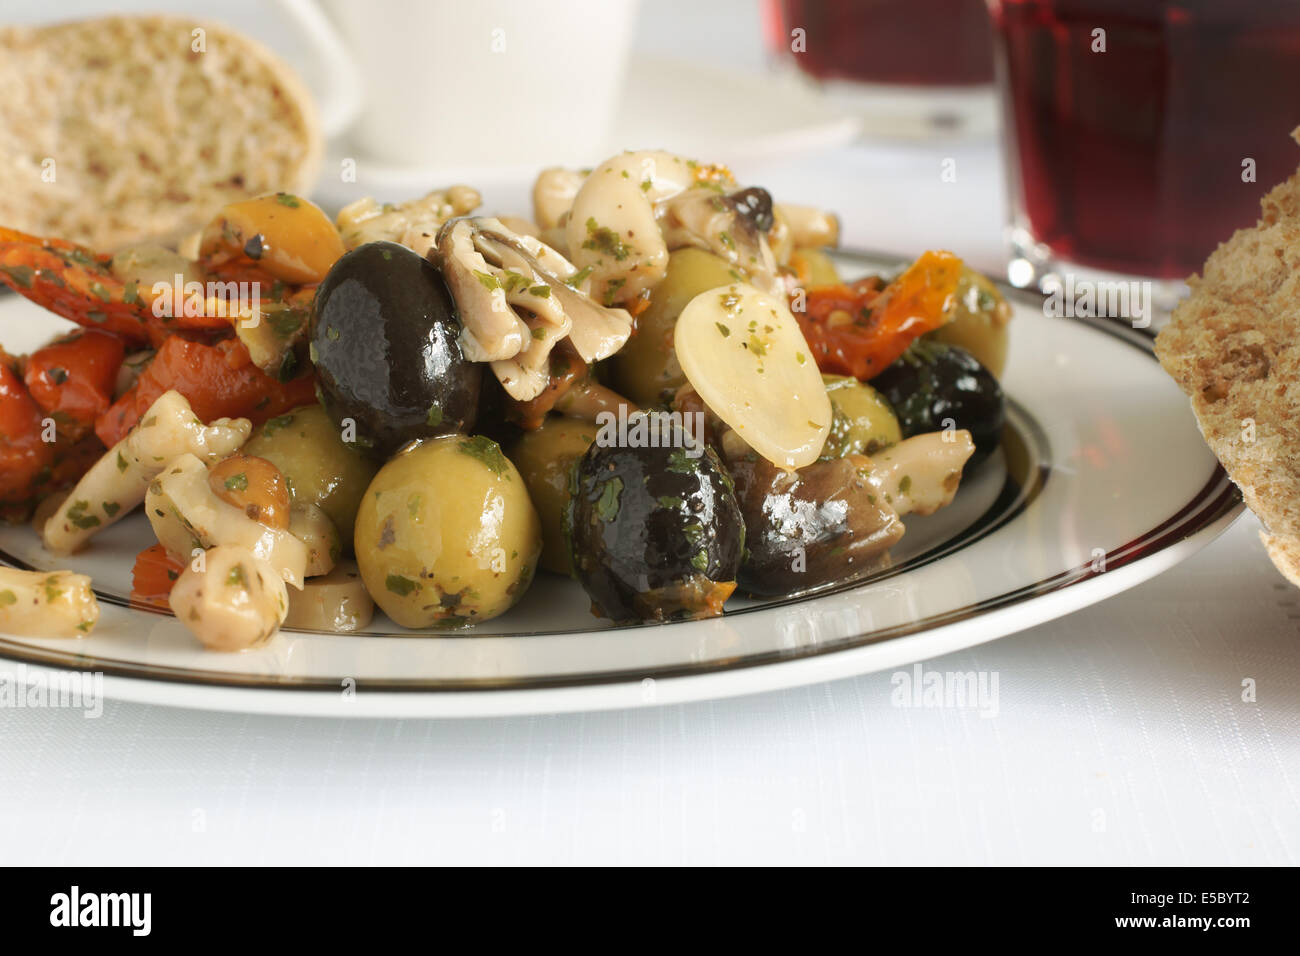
<point>126,129</point>
<point>1234,347</point>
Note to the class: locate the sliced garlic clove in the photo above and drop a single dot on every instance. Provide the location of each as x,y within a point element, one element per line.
<point>745,355</point>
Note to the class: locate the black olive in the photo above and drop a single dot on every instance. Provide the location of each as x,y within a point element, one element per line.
<point>384,339</point>
<point>934,386</point>
<point>806,529</point>
<point>654,529</point>
<point>755,204</point>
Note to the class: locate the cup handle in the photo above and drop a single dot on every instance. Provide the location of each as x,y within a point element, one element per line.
<point>340,100</point>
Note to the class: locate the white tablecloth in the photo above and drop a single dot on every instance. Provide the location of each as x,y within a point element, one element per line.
<point>1122,734</point>
<point>1121,737</point>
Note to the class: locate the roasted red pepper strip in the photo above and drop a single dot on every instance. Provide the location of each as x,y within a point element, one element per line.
<point>153,576</point>
<point>861,328</point>
<point>77,283</point>
<point>219,380</point>
<point>25,459</point>
<point>72,379</point>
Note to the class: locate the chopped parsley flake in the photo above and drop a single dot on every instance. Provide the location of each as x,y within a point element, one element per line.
<point>611,290</point>
<point>679,463</point>
<point>487,280</point>
<point>285,324</point>
<point>488,452</point>
<point>514,281</point>
<point>578,278</point>
<point>52,590</point>
<point>77,515</point>
<point>20,274</point>
<point>605,240</point>
<point>273,425</point>
<point>399,585</point>
<point>607,504</point>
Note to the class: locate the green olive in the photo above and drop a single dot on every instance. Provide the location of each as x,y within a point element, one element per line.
<point>820,267</point>
<point>645,369</point>
<point>544,458</point>
<point>979,323</point>
<point>446,533</point>
<point>317,467</point>
<point>863,421</point>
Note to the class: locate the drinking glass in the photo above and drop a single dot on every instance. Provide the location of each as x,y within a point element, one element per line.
<point>1141,133</point>
<point>911,68</point>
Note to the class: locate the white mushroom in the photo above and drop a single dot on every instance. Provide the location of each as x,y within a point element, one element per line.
<point>809,227</point>
<point>232,601</point>
<point>338,601</point>
<point>186,514</point>
<point>117,482</point>
<point>522,227</point>
<point>920,474</point>
<point>725,225</point>
<point>46,603</point>
<point>553,195</point>
<point>636,207</point>
<point>414,223</point>
<point>517,297</point>
<point>612,228</point>
<point>313,527</point>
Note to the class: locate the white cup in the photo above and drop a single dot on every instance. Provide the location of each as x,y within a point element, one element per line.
<point>483,82</point>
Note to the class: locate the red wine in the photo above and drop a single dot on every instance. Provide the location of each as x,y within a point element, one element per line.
<point>909,42</point>
<point>1132,159</point>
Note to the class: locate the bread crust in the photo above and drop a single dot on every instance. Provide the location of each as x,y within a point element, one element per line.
<point>148,137</point>
<point>1233,347</point>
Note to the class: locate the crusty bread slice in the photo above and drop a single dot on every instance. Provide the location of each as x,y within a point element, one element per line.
<point>1234,347</point>
<point>115,130</point>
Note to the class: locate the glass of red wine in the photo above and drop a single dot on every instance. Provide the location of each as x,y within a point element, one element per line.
<point>1141,133</point>
<point>911,68</point>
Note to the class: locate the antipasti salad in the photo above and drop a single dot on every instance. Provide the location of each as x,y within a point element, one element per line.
<point>658,385</point>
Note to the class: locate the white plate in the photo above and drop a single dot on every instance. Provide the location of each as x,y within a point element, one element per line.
<point>1102,482</point>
